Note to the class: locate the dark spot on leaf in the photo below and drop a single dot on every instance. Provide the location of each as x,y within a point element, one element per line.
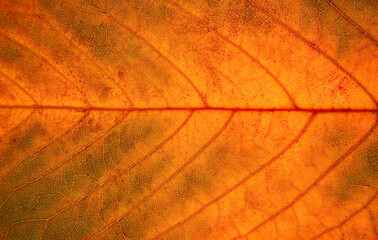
<point>318,4</point>
<point>372,157</point>
<point>48,5</point>
<point>137,132</point>
<point>9,53</point>
<point>27,139</point>
<point>338,138</point>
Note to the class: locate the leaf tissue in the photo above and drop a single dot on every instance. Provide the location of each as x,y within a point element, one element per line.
<point>188,119</point>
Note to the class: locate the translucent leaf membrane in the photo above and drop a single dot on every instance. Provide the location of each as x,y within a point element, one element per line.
<point>174,119</point>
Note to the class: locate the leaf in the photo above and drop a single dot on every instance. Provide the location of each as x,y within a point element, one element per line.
<point>207,119</point>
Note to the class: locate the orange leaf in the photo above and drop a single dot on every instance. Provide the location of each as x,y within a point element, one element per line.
<point>208,119</point>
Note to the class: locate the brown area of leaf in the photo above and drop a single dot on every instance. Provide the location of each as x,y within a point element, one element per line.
<point>208,119</point>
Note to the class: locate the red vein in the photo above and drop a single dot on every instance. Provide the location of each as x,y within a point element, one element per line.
<point>366,33</point>
<point>231,189</point>
<point>236,109</point>
<point>171,176</point>
<point>313,46</point>
<point>324,174</point>
<point>348,218</point>
<point>263,67</point>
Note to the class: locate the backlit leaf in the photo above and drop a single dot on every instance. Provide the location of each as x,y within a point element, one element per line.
<point>188,119</point>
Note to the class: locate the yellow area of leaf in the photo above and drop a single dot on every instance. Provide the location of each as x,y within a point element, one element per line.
<point>208,119</point>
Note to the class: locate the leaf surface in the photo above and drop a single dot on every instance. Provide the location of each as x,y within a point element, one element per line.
<point>168,119</point>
